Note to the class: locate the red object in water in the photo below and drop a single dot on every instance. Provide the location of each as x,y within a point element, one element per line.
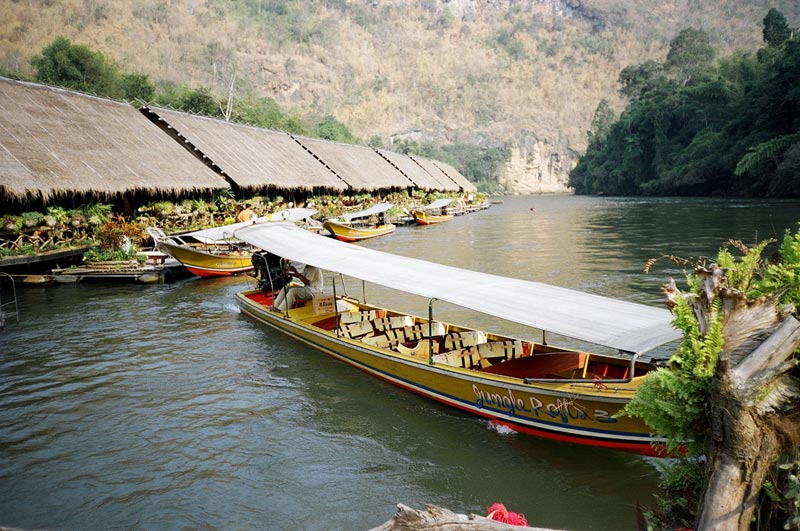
<point>499,513</point>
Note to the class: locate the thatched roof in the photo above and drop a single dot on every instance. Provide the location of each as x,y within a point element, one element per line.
<point>254,158</point>
<point>418,175</point>
<point>360,167</point>
<point>249,156</point>
<point>55,142</point>
<point>445,173</point>
<point>456,176</point>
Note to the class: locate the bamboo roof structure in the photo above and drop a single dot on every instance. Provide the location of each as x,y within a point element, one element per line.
<point>456,176</point>
<point>421,178</point>
<point>360,167</point>
<point>445,173</point>
<point>55,142</point>
<point>248,156</point>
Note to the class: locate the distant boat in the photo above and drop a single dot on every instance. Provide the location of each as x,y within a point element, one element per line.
<point>530,386</point>
<point>435,212</point>
<point>361,225</point>
<point>217,252</point>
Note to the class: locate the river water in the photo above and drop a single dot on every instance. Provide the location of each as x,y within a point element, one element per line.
<point>161,407</point>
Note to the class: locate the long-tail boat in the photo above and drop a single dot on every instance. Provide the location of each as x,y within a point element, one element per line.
<point>435,212</point>
<point>216,251</point>
<point>530,386</point>
<point>362,225</point>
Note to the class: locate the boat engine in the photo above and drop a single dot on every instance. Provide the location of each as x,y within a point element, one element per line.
<point>269,271</point>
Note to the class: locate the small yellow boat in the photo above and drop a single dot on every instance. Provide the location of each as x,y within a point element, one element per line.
<point>217,251</point>
<point>435,212</point>
<point>529,386</point>
<point>210,260</point>
<point>361,225</point>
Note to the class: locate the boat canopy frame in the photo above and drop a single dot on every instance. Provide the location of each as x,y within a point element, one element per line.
<point>628,327</point>
<point>378,208</point>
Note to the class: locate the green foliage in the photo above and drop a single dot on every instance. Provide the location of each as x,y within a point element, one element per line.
<point>32,219</point>
<point>480,165</point>
<point>783,276</point>
<point>791,494</point>
<point>137,87</point>
<point>201,101</point>
<point>601,123</point>
<point>695,127</point>
<point>330,128</point>
<point>679,494</point>
<point>776,29</point>
<point>672,401</point>
<point>76,66</point>
<point>639,79</point>
<point>266,113</point>
<point>689,52</point>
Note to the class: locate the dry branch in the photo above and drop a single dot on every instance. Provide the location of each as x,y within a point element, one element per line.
<point>438,519</point>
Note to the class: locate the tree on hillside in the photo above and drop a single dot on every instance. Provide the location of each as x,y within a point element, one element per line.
<point>330,128</point>
<point>776,29</point>
<point>639,79</point>
<point>137,87</point>
<point>76,66</point>
<point>602,121</point>
<point>690,54</point>
<point>201,101</point>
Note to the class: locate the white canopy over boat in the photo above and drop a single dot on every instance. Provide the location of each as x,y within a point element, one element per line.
<point>627,326</point>
<point>379,208</point>
<point>226,232</point>
<point>439,203</point>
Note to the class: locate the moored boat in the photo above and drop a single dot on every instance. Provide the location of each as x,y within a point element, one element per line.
<point>216,251</point>
<point>361,225</point>
<point>435,212</point>
<point>530,386</point>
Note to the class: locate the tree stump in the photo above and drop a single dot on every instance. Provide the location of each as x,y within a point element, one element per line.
<point>438,519</point>
<point>754,407</point>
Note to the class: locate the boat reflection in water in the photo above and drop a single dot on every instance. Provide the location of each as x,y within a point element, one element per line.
<point>531,387</point>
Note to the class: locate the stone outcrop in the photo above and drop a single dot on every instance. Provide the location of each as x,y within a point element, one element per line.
<point>537,167</point>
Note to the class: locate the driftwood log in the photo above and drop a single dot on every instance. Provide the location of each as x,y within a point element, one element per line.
<point>754,405</point>
<point>437,519</point>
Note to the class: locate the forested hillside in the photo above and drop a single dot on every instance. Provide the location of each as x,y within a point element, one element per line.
<point>698,125</point>
<point>510,84</point>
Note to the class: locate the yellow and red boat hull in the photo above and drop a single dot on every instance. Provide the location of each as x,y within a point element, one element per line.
<point>425,218</point>
<point>349,233</point>
<point>209,264</point>
<point>576,413</point>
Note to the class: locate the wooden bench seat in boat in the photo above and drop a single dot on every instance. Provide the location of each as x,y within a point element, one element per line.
<point>358,316</point>
<point>384,324</point>
<point>507,350</point>
<point>484,354</point>
<point>466,358</point>
<point>556,365</point>
<point>460,340</point>
<point>408,334</point>
<point>357,329</point>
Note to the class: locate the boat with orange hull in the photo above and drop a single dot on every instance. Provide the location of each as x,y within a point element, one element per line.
<point>433,213</point>
<point>533,387</point>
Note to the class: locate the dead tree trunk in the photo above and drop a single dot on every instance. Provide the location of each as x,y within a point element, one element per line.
<point>437,519</point>
<point>754,405</point>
